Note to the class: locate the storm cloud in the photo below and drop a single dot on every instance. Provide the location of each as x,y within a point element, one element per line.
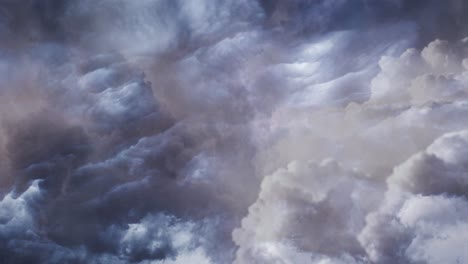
<point>240,132</point>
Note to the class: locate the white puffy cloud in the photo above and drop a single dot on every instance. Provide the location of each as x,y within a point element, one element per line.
<point>309,211</point>
<point>17,214</point>
<point>162,237</point>
<point>408,142</point>
<point>423,216</point>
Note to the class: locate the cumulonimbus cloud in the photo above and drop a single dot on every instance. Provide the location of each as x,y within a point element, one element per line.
<point>233,132</point>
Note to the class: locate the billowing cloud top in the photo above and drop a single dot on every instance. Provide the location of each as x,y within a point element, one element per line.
<point>233,132</point>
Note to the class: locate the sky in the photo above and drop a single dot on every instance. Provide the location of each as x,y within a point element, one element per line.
<point>233,131</point>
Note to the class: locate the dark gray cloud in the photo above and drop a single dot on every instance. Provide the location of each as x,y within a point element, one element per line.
<point>160,131</point>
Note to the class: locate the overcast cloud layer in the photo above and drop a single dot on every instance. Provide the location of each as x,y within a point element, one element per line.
<point>234,131</point>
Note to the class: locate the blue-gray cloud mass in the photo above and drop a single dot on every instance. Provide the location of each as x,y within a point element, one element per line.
<point>233,131</point>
